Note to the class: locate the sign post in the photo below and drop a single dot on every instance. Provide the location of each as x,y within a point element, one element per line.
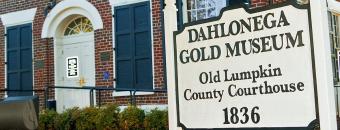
<point>326,99</point>
<point>251,69</point>
<point>170,22</point>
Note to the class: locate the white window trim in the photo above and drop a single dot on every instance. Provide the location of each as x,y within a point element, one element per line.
<point>122,94</point>
<point>67,8</point>
<point>12,19</point>
<point>185,10</point>
<point>18,18</point>
<point>148,108</point>
<point>333,6</point>
<point>115,3</point>
<point>73,20</point>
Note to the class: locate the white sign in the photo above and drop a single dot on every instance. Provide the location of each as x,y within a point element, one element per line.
<point>247,69</point>
<point>72,67</point>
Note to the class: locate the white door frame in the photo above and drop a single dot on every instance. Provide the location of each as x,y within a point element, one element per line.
<point>67,8</point>
<point>60,42</point>
<point>65,11</point>
<point>68,40</point>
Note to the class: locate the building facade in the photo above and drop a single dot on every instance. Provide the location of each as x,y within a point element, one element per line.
<point>82,43</point>
<point>92,43</point>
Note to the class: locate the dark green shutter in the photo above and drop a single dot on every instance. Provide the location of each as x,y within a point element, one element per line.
<point>19,59</point>
<point>133,46</point>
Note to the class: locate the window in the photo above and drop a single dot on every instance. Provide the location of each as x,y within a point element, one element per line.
<point>133,48</point>
<point>78,26</point>
<point>19,59</point>
<point>335,44</point>
<point>203,9</point>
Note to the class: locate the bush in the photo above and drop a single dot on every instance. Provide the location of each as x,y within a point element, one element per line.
<point>156,120</point>
<point>131,118</point>
<point>108,118</point>
<point>67,120</point>
<point>46,119</point>
<point>165,119</point>
<point>62,121</point>
<point>87,119</point>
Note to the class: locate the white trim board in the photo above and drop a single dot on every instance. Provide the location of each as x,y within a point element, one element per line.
<point>12,19</point>
<point>124,2</point>
<point>67,8</point>
<point>19,17</point>
<point>334,6</point>
<point>148,108</point>
<point>125,93</point>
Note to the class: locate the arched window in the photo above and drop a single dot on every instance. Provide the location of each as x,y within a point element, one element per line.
<point>78,26</point>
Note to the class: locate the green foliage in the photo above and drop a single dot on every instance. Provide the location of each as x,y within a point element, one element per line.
<point>105,118</point>
<point>108,118</point>
<point>46,119</point>
<point>87,119</point>
<point>156,120</point>
<point>67,120</point>
<point>131,118</point>
<point>62,121</point>
<point>165,119</point>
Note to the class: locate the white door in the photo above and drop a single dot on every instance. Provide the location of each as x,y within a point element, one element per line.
<point>75,68</point>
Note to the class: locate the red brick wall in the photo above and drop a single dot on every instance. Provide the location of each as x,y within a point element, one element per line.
<point>157,98</point>
<point>42,77</point>
<point>2,58</point>
<point>261,3</point>
<point>103,43</point>
<point>278,1</point>
<point>43,50</point>
<point>157,44</point>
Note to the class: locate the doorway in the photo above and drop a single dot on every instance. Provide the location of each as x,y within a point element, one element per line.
<point>75,64</point>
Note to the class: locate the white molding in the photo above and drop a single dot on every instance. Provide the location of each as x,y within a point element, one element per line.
<point>125,2</point>
<point>148,108</point>
<point>334,6</point>
<point>12,19</point>
<point>323,65</point>
<point>170,14</point>
<point>111,2</point>
<point>185,11</point>
<point>68,8</point>
<point>18,18</point>
<point>119,94</point>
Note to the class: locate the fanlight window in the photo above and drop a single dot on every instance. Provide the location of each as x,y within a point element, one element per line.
<point>78,26</point>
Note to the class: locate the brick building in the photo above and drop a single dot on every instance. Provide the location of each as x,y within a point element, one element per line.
<point>76,43</point>
<point>91,43</point>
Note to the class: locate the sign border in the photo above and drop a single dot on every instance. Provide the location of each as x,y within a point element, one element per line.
<point>313,123</point>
